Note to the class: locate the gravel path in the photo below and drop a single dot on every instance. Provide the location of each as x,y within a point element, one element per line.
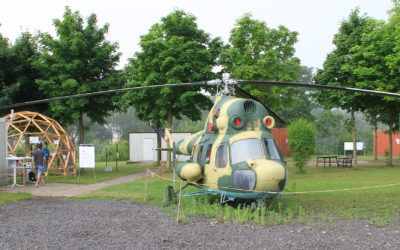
<point>59,223</point>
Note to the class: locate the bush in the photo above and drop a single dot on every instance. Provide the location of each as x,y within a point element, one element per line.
<point>302,135</point>
<point>102,147</point>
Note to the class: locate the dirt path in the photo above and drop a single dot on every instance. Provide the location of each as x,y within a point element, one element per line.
<point>69,190</point>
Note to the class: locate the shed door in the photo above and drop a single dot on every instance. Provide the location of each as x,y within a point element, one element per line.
<point>148,149</point>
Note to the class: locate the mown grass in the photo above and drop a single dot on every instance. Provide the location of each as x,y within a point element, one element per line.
<point>379,206</point>
<point>368,158</point>
<point>87,175</point>
<point>135,191</point>
<point>6,197</point>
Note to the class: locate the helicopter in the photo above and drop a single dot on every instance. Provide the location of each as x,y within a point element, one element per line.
<point>234,156</point>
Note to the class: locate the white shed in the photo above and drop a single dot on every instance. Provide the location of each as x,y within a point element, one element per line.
<point>142,146</point>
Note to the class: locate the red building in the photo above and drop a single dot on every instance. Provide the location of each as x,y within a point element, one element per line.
<point>383,143</point>
<point>281,138</point>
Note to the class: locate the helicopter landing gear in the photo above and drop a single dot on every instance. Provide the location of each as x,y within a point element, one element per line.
<point>171,195</point>
<point>261,205</point>
<point>253,206</point>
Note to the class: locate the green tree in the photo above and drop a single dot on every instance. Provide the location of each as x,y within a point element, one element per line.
<point>338,70</point>
<point>302,103</point>
<point>257,52</point>
<point>5,70</point>
<point>79,61</point>
<point>174,51</point>
<point>124,122</point>
<point>329,127</point>
<point>18,75</point>
<point>302,135</point>
<point>378,68</point>
<point>94,132</point>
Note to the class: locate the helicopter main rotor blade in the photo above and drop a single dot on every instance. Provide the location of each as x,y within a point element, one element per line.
<point>320,86</point>
<point>213,82</point>
<point>247,94</point>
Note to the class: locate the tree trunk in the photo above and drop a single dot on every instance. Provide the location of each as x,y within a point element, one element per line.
<point>169,126</point>
<point>81,128</point>
<point>390,164</point>
<point>353,124</point>
<point>376,142</point>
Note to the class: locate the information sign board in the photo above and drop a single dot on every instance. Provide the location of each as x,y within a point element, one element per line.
<point>349,146</point>
<point>86,156</point>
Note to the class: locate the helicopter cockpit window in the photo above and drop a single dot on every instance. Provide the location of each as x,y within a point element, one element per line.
<point>221,158</point>
<point>198,160</point>
<point>246,149</point>
<point>271,151</point>
<point>208,155</point>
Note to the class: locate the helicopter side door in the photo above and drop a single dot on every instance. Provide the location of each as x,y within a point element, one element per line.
<point>219,165</point>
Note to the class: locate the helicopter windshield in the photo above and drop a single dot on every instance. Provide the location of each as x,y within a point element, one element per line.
<point>246,149</point>
<point>271,150</point>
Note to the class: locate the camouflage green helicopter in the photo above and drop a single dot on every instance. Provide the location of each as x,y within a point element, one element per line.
<point>234,156</point>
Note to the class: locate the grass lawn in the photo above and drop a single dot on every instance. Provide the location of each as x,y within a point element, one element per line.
<point>379,205</point>
<point>155,193</point>
<point>87,176</point>
<point>6,197</point>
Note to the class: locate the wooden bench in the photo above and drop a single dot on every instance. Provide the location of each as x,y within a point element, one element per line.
<point>346,161</point>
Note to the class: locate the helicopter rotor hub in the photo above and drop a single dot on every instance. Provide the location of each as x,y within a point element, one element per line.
<point>227,85</point>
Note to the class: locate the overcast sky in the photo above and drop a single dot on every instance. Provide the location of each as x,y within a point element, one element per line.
<point>316,21</point>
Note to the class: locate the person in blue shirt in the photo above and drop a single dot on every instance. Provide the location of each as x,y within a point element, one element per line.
<point>46,155</point>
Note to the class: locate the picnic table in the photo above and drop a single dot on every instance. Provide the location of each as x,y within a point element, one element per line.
<point>326,159</point>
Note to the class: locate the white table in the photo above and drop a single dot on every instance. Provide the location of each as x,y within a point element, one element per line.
<point>14,165</point>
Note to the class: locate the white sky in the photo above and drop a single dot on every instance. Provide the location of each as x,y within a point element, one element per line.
<point>316,21</point>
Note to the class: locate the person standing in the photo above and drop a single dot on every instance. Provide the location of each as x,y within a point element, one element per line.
<point>46,154</point>
<point>39,160</point>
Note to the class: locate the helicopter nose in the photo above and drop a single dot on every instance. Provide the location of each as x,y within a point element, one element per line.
<point>271,175</point>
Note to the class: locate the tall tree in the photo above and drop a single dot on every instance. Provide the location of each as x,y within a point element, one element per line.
<point>5,69</point>
<point>174,51</point>
<point>337,70</point>
<point>18,75</point>
<point>79,60</point>
<point>378,68</point>
<point>302,103</point>
<point>257,52</point>
<point>328,130</point>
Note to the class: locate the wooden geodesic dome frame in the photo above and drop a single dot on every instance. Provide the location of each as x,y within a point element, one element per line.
<point>27,124</point>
